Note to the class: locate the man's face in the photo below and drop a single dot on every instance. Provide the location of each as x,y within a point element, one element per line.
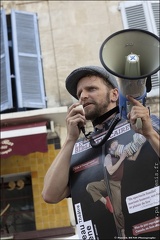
<point>94,95</point>
<point>114,145</point>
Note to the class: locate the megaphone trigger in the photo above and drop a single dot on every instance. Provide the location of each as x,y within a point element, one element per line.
<point>139,123</point>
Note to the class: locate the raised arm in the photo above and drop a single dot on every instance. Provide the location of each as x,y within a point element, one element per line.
<point>56,179</point>
<point>147,130</point>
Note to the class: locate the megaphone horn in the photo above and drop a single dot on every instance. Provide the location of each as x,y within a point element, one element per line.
<point>132,55</point>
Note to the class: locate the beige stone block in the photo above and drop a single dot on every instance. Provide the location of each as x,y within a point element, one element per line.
<point>46,42</point>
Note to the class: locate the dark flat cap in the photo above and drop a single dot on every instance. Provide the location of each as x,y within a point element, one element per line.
<point>77,74</point>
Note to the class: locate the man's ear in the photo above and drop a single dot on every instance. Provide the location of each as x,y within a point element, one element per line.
<point>114,95</point>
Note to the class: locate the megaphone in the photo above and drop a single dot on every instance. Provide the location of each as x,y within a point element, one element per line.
<point>132,55</point>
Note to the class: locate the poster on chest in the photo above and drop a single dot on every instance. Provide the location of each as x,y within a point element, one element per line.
<point>115,187</point>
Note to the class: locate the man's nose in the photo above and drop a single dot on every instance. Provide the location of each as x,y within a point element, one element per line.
<point>84,95</point>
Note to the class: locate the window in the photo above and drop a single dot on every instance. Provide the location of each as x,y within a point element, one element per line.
<point>22,83</point>
<point>17,199</point>
<point>143,15</point>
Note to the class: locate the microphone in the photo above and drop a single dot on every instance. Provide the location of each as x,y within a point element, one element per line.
<point>82,128</point>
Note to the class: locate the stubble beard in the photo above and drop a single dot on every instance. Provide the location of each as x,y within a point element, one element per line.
<point>98,110</point>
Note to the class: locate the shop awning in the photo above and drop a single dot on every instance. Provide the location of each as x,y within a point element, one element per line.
<point>23,139</point>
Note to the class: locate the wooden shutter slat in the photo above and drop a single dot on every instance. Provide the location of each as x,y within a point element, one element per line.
<point>156,9</point>
<point>136,17</point>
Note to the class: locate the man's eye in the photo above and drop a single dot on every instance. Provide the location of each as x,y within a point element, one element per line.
<point>78,95</point>
<point>92,89</point>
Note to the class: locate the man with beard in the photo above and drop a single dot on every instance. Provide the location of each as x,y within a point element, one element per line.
<point>97,91</point>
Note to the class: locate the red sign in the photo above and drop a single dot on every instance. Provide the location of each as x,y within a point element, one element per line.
<point>22,140</point>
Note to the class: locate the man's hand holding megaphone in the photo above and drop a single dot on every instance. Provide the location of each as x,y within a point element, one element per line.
<point>147,130</point>
<point>142,112</point>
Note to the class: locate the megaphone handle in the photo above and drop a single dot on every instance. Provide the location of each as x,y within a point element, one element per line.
<point>139,123</point>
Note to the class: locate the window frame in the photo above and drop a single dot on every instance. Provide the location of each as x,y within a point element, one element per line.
<point>8,104</point>
<point>13,194</point>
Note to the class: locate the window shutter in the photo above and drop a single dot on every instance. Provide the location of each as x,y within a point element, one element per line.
<point>154,13</point>
<point>27,60</point>
<point>136,17</point>
<point>153,8</point>
<point>142,15</point>
<point>5,82</point>
<point>156,10</point>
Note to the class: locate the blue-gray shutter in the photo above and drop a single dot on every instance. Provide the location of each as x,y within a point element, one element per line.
<point>5,81</point>
<point>155,7</point>
<point>27,60</point>
<point>142,15</point>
